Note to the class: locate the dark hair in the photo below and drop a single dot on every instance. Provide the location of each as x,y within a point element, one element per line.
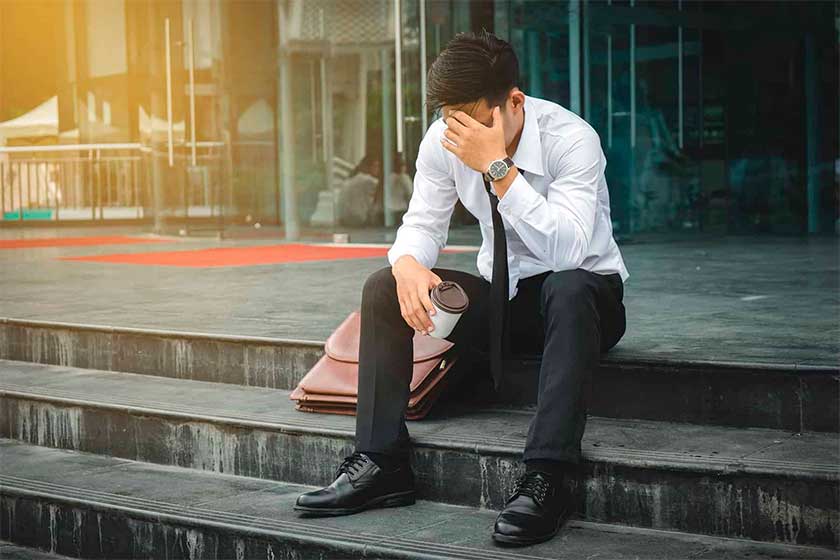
<point>367,165</point>
<point>472,66</point>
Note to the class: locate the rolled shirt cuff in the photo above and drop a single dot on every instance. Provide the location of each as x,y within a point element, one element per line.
<point>416,244</point>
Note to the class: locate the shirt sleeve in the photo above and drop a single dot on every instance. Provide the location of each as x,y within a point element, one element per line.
<point>558,227</point>
<point>425,225</point>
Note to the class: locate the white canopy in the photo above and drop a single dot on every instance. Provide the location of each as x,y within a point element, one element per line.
<point>257,121</point>
<point>43,121</point>
<point>155,127</point>
<point>40,121</point>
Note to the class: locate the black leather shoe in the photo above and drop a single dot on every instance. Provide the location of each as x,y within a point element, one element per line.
<point>359,485</point>
<point>534,513</point>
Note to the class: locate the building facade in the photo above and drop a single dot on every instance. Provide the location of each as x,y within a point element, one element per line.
<point>714,116</point>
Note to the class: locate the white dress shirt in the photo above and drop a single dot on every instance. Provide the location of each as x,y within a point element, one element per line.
<point>556,213</point>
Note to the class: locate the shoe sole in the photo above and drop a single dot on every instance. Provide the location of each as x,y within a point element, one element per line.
<point>522,541</point>
<point>388,500</point>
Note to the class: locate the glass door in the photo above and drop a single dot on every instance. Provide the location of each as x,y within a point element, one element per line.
<point>641,75</point>
<point>177,95</point>
<point>711,114</point>
<point>336,113</point>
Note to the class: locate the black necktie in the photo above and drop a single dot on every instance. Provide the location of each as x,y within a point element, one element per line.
<point>498,292</point>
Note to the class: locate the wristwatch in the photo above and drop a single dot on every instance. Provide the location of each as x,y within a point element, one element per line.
<point>498,169</point>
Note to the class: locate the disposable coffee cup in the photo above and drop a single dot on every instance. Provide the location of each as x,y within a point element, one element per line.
<point>450,301</point>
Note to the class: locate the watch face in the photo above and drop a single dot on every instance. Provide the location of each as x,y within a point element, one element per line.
<point>498,169</point>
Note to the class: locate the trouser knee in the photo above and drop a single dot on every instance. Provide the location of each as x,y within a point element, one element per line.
<point>380,288</point>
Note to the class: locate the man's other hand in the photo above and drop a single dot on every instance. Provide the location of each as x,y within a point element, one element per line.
<point>414,282</point>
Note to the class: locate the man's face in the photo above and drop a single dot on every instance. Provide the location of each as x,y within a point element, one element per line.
<point>482,112</point>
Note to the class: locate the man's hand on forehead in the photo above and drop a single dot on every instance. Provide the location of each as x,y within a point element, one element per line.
<point>473,142</point>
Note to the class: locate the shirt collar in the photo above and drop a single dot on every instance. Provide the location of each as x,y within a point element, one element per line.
<point>528,153</point>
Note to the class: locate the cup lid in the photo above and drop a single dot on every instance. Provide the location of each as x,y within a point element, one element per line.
<point>450,297</point>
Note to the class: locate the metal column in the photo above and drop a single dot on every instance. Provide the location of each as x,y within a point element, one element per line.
<point>287,144</point>
<point>387,132</point>
<point>574,56</point>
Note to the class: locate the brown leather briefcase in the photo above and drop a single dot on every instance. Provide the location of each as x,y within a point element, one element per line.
<point>331,385</point>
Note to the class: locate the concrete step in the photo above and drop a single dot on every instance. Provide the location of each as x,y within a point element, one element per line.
<point>782,396</point>
<point>90,506</point>
<point>11,551</point>
<point>762,484</point>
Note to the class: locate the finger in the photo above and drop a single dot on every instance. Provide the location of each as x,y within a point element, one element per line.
<point>421,316</point>
<point>450,146</point>
<point>407,312</point>
<point>465,119</point>
<point>415,323</point>
<point>454,124</point>
<point>435,280</point>
<point>427,303</point>
<point>403,311</point>
<point>451,134</point>
<point>497,117</point>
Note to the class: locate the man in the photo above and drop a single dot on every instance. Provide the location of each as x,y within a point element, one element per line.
<point>555,276</point>
<point>358,192</point>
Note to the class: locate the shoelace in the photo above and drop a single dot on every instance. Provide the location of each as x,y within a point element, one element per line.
<point>351,464</point>
<point>533,485</point>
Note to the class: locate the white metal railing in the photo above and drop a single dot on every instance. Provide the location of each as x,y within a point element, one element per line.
<point>103,181</point>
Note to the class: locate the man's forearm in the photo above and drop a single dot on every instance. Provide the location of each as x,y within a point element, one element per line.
<point>558,236</point>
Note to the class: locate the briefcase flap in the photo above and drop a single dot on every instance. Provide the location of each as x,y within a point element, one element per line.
<point>343,343</point>
<point>331,377</point>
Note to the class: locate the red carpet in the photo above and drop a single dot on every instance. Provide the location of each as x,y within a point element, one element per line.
<point>240,256</point>
<point>75,241</point>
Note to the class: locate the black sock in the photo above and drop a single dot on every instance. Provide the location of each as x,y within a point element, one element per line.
<point>555,469</point>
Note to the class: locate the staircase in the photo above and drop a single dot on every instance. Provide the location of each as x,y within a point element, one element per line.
<point>124,443</point>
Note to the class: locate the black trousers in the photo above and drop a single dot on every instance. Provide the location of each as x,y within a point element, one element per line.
<point>569,316</point>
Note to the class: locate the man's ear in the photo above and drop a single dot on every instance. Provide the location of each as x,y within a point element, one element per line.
<point>517,98</point>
